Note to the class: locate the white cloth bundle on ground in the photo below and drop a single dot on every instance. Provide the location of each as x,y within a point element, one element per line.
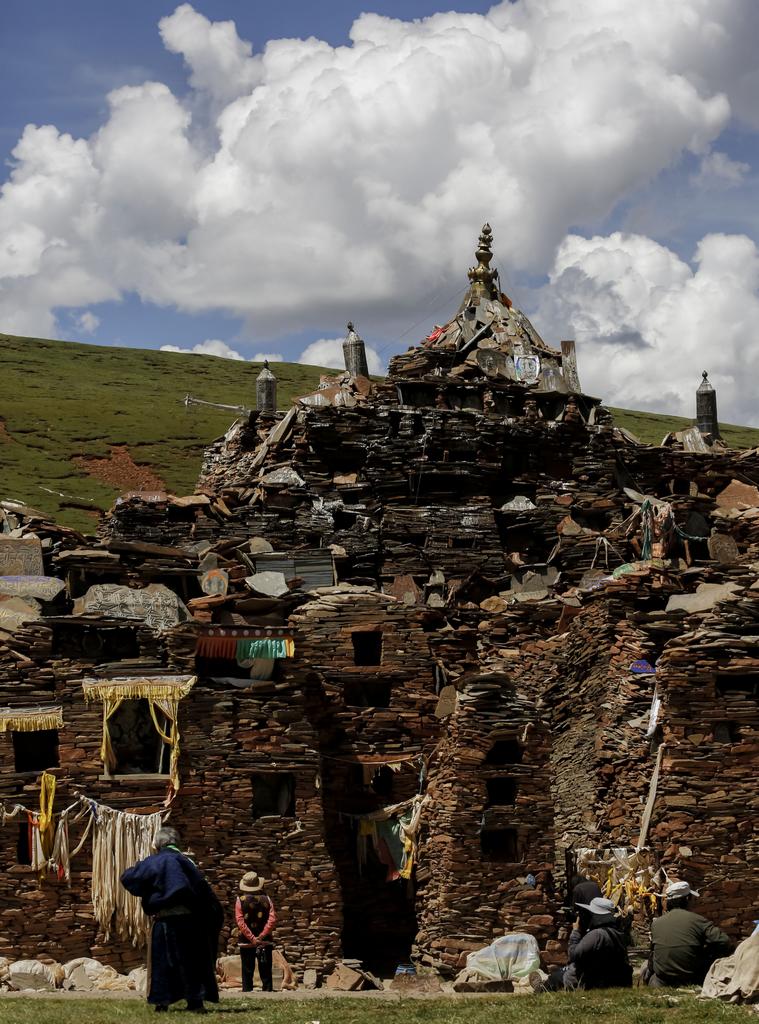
<point>26,975</point>
<point>87,975</point>
<point>735,978</point>
<point>506,958</point>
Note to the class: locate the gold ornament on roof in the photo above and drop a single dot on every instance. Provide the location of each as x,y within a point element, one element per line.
<point>481,276</point>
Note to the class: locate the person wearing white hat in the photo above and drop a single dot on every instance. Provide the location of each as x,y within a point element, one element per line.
<point>683,944</point>
<point>255,917</point>
<point>598,958</point>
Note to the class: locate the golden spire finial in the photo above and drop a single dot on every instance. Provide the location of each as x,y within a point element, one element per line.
<point>481,276</point>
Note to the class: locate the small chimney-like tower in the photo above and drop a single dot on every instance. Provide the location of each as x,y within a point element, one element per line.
<point>266,391</point>
<point>354,353</point>
<point>706,408</point>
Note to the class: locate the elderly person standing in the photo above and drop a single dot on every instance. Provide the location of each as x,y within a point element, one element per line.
<point>186,920</point>
<point>683,944</point>
<point>255,917</point>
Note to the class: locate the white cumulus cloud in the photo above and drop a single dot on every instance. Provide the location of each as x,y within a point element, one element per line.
<point>718,170</point>
<point>304,183</point>
<point>220,62</point>
<point>329,352</point>
<point>272,357</point>
<point>647,323</point>
<point>210,347</point>
<point>87,322</point>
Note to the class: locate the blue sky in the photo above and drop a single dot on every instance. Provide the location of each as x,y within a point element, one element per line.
<point>261,192</point>
<point>62,57</point>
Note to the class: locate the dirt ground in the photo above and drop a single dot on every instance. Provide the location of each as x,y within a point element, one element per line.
<point>120,470</point>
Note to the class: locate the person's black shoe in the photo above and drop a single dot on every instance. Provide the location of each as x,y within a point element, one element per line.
<point>161,1008</point>
<point>196,1007</point>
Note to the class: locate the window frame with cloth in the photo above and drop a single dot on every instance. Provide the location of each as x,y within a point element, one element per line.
<point>162,693</point>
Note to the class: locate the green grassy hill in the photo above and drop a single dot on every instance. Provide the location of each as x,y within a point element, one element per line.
<point>67,409</point>
<point>60,401</point>
<point>652,427</point>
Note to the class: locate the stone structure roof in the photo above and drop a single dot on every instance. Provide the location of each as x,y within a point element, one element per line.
<point>489,342</point>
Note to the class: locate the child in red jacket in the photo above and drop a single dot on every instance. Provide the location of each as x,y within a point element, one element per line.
<point>255,917</point>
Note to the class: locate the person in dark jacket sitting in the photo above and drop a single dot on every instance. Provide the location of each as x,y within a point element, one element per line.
<point>597,959</point>
<point>600,956</point>
<point>683,944</point>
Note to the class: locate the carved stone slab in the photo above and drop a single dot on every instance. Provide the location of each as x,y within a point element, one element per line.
<point>21,556</point>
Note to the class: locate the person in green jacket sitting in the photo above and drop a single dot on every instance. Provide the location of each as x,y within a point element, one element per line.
<point>683,944</point>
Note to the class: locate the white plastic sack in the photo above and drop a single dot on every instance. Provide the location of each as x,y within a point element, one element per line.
<point>138,980</point>
<point>31,975</point>
<point>87,975</point>
<point>229,971</point>
<point>506,958</point>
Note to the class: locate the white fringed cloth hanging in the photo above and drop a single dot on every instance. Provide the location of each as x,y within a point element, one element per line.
<point>120,840</point>
<point>30,719</point>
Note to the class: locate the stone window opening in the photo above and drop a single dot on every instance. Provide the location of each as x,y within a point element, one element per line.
<point>255,669</point>
<point>726,732</point>
<point>137,747</point>
<point>344,519</point>
<point>732,686</point>
<point>273,795</point>
<point>367,647</point>
<point>499,845</point>
<point>501,792</point>
<point>382,781</point>
<point>367,693</point>
<point>35,751</point>
<point>506,751</point>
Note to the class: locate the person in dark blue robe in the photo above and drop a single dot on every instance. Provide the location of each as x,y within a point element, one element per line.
<point>186,921</point>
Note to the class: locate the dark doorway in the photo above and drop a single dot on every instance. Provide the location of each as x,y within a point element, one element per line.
<point>508,751</point>
<point>499,845</point>
<point>379,920</point>
<point>501,792</point>
<point>35,751</point>
<point>367,693</point>
<point>367,647</point>
<point>273,795</point>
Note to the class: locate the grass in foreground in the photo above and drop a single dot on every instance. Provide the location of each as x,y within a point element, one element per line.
<point>638,1006</point>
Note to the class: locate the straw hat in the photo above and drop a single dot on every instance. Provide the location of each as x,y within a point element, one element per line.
<point>251,882</point>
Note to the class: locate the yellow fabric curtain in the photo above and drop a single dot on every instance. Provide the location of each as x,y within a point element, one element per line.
<point>110,706</point>
<point>45,820</point>
<point>30,719</point>
<point>146,687</point>
<point>170,708</point>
